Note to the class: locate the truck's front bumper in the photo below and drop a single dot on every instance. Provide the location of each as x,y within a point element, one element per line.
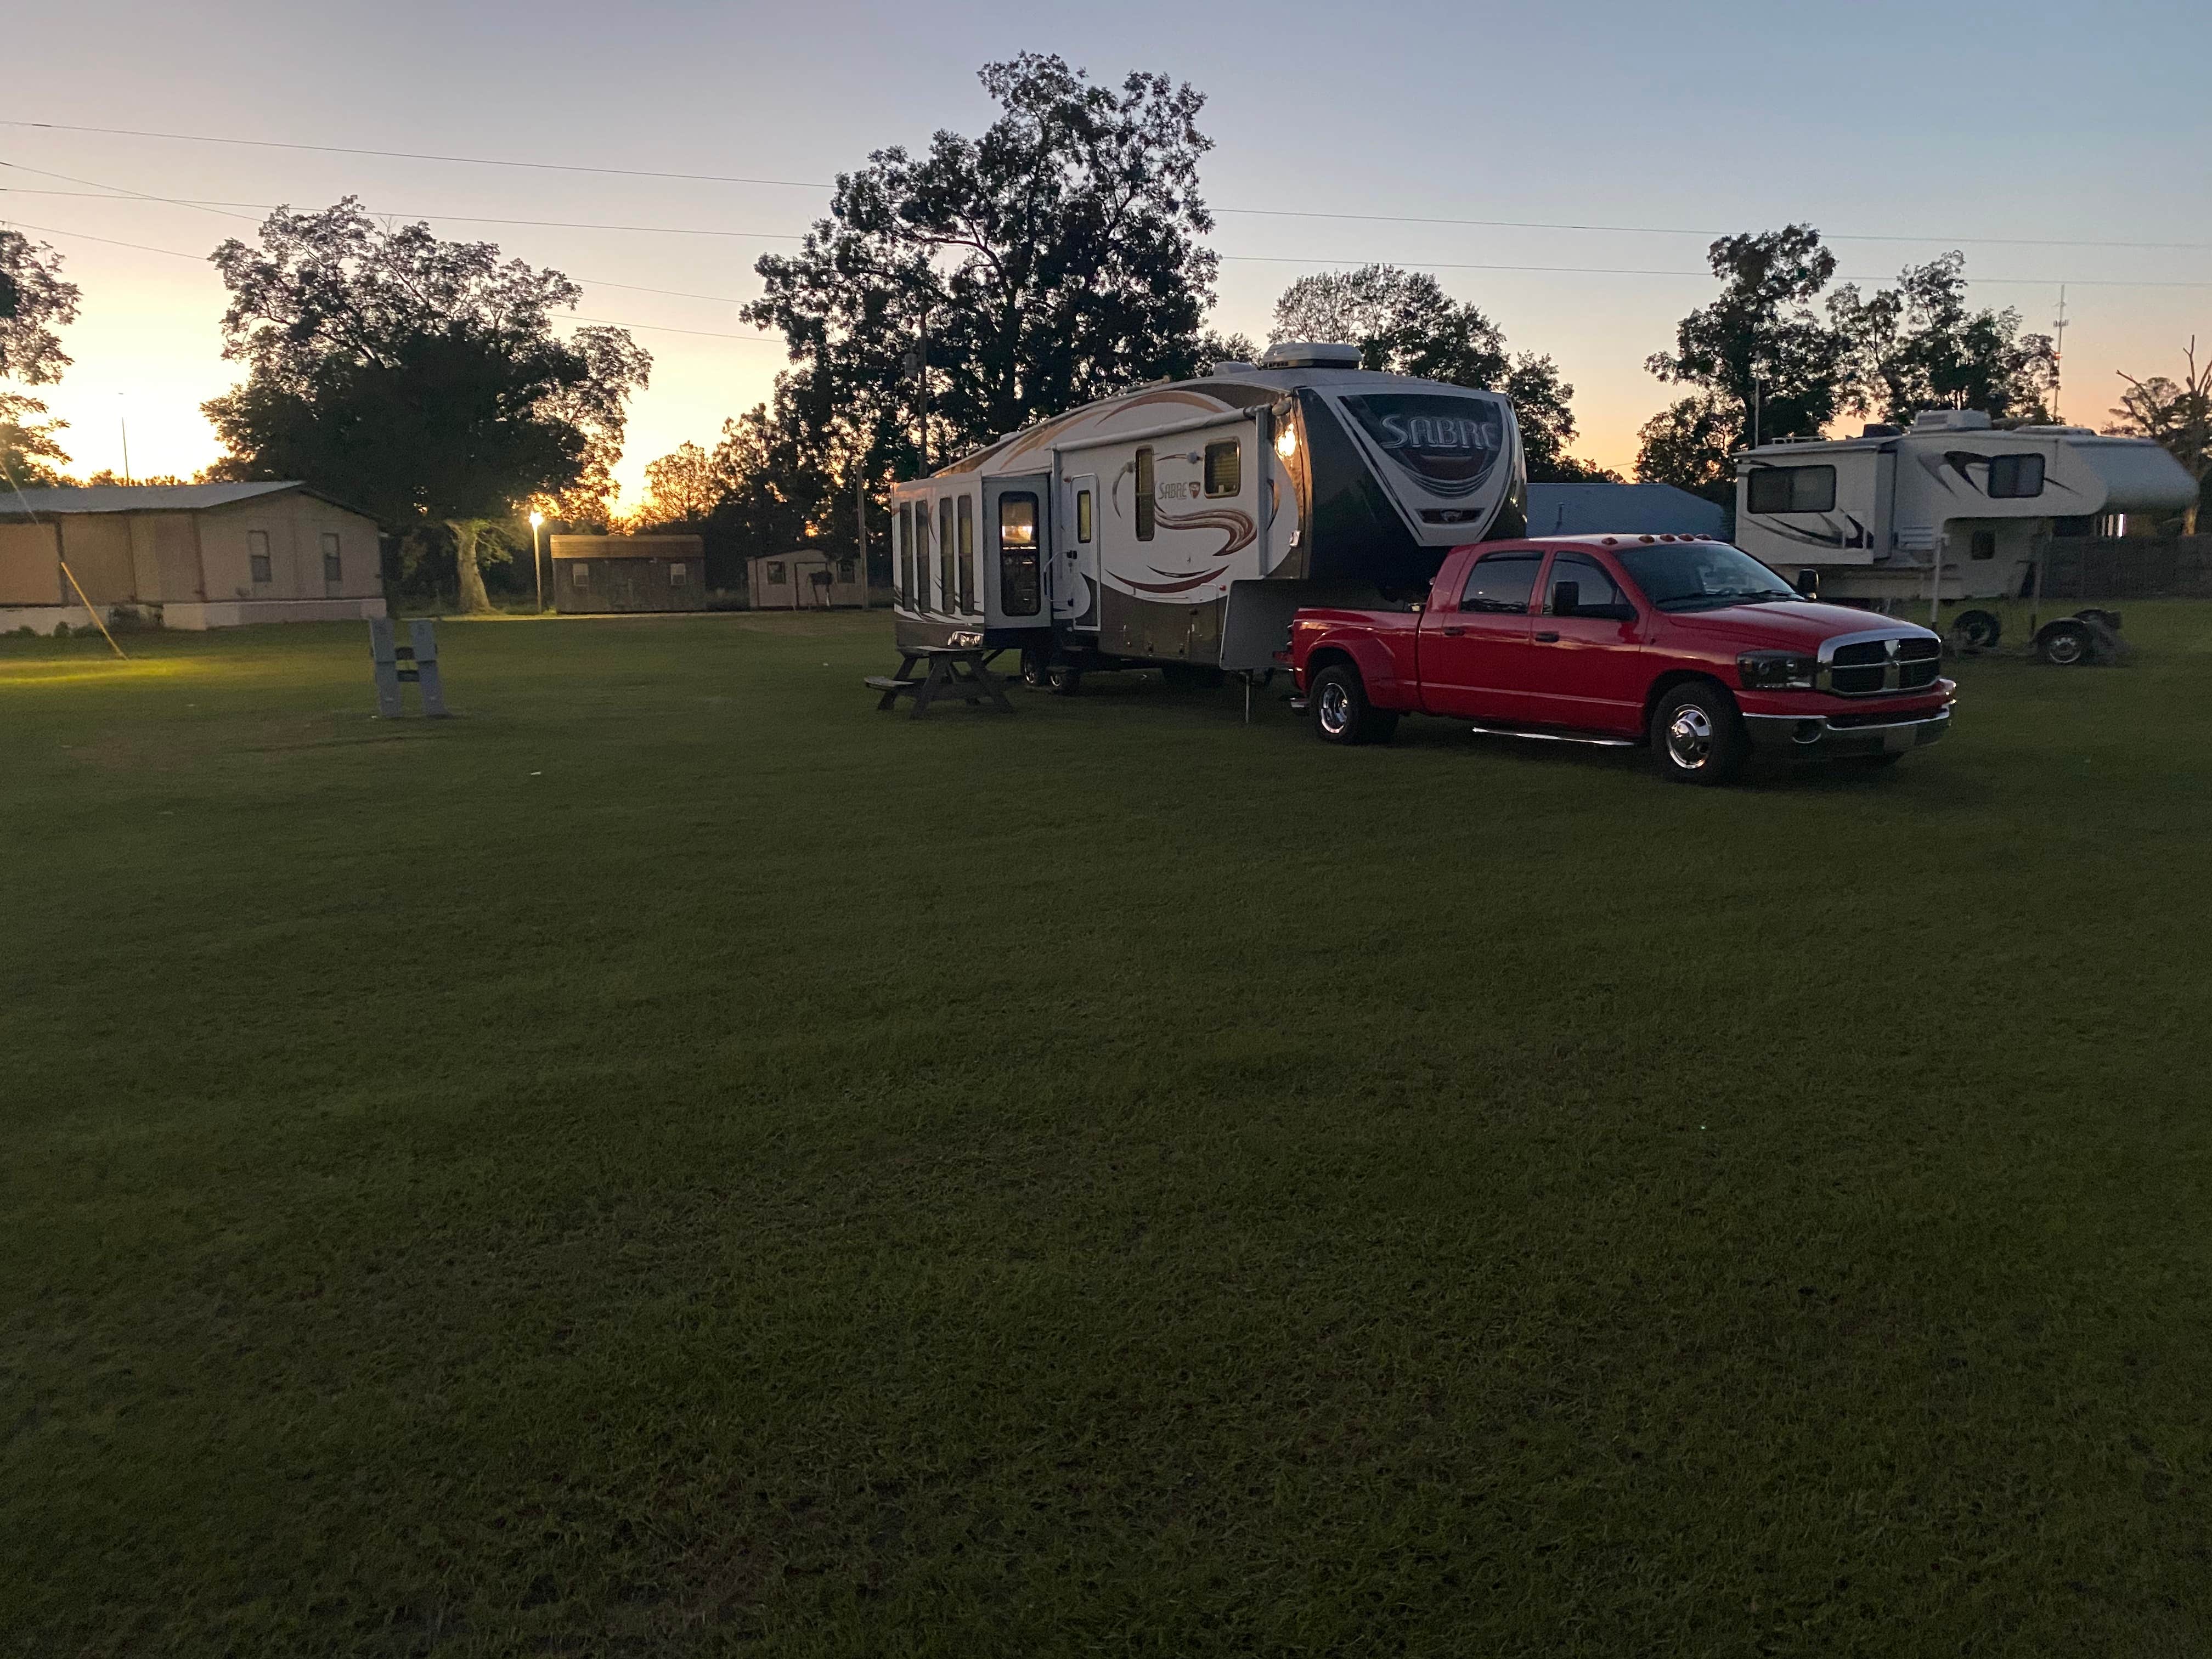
<point>1846,736</point>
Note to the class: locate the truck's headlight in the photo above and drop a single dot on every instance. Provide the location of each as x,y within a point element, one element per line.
<point>1771,671</point>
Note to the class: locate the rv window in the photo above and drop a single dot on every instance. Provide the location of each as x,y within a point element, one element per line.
<point>967,555</point>
<point>921,557</point>
<point>1502,582</point>
<point>1225,468</point>
<point>1793,489</point>
<point>2015,477</point>
<point>947,588</point>
<point>1018,587</point>
<point>1146,506</point>
<point>1083,517</point>
<point>257,554</point>
<point>1984,544</point>
<point>904,526</point>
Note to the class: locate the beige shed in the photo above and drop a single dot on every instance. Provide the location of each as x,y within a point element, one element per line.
<point>185,556</point>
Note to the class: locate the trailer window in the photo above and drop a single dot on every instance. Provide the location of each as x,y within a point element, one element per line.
<point>903,526</point>
<point>921,557</point>
<point>1018,587</point>
<point>1502,582</point>
<point>947,587</point>
<point>2015,477</point>
<point>1225,468</point>
<point>1146,506</point>
<point>1083,517</point>
<point>968,554</point>
<point>1793,489</point>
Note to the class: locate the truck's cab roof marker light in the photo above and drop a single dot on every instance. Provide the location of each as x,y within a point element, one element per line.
<point>1647,538</point>
<point>1610,540</point>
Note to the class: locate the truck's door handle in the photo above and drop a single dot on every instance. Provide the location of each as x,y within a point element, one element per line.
<point>1455,632</point>
<point>1547,638</point>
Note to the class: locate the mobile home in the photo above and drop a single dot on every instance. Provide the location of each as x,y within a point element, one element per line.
<point>1182,523</point>
<point>1952,508</point>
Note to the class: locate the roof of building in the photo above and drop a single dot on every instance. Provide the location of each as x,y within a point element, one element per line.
<point>145,498</point>
<point>625,547</point>
<point>1579,509</point>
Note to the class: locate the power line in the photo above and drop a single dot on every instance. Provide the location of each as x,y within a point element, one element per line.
<point>1281,213</point>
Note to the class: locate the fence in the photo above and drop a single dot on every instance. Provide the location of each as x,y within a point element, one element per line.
<point>2129,568</point>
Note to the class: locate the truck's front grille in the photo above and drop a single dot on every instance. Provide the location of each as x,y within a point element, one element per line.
<point>1872,665</point>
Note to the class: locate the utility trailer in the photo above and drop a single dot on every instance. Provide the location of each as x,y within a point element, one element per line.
<point>1953,508</point>
<point>1183,524</point>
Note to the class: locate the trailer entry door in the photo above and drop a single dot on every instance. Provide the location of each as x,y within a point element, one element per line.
<point>1075,572</point>
<point>1015,514</point>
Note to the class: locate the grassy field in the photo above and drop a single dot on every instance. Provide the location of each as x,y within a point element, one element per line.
<point>676,1162</point>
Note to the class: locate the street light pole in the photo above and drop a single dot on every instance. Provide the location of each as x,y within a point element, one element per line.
<point>536,565</point>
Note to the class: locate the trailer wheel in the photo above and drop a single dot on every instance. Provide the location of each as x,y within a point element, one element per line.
<point>1698,736</point>
<point>2063,644</point>
<point>2110,619</point>
<point>1063,681</point>
<point>1033,667</point>
<point>1341,713</point>
<point>1976,630</point>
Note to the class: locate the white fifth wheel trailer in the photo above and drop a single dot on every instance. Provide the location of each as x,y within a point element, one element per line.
<point>1183,523</point>
<point>1952,508</point>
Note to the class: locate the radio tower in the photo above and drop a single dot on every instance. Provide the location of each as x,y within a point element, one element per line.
<point>2057,350</point>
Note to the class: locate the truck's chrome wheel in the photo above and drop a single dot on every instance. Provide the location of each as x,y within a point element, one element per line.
<point>1336,710</point>
<point>1690,738</point>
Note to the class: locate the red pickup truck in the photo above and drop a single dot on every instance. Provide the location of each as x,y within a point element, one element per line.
<point>1683,642</point>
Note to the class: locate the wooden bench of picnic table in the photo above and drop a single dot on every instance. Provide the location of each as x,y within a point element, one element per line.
<point>943,677</point>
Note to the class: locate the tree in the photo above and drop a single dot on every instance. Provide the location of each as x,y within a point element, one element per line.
<point>1404,323</point>
<point>34,304</point>
<point>1050,262</point>
<point>1759,351</point>
<point>681,487</point>
<point>2177,414</point>
<point>420,381</point>
<point>1917,346</point>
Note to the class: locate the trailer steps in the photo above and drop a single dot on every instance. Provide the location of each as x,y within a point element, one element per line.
<point>1555,737</point>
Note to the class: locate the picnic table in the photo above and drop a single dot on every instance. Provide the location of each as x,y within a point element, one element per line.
<point>943,677</point>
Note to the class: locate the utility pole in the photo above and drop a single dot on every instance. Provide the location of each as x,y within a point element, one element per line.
<point>923,362</point>
<point>124,421</point>
<point>860,527</point>
<point>2057,350</point>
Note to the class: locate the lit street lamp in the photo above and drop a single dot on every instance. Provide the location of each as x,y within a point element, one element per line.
<point>536,568</point>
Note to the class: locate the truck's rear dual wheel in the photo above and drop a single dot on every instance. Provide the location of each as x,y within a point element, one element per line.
<point>1698,736</point>
<point>1341,713</point>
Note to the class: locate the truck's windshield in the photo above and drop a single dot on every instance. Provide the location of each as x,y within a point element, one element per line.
<point>1701,575</point>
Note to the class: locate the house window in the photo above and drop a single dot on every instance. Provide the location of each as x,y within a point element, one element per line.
<point>1224,467</point>
<point>679,574</point>
<point>1083,517</point>
<point>1984,544</point>
<point>1793,489</point>
<point>2015,477</point>
<point>775,577</point>
<point>257,556</point>
<point>967,555</point>
<point>333,567</point>
<point>1147,509</point>
<point>1020,586</point>
<point>845,570</point>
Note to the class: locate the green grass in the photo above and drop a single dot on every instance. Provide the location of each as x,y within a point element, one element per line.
<point>676,1162</point>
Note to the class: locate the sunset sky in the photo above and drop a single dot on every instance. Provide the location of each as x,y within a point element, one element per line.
<point>2050,143</point>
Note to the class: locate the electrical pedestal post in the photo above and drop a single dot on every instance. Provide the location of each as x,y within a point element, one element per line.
<point>397,664</point>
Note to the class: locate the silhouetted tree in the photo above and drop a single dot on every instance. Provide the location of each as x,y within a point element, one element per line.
<point>1919,346</point>
<point>2176,414</point>
<point>419,380</point>
<point>34,303</point>
<point>681,487</point>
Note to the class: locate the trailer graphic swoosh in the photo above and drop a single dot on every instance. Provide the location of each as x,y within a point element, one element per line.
<point>1181,584</point>
<point>1237,526</point>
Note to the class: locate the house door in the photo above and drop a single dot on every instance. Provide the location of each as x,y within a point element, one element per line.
<point>1075,571</point>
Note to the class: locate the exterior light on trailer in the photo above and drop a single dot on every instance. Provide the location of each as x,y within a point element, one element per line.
<point>1286,442</point>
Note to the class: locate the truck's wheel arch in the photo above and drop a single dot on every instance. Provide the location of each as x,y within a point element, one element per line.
<point>1378,673</point>
<point>1328,656</point>
<point>1672,678</point>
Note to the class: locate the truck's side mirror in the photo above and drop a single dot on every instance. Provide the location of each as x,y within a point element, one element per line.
<point>1808,584</point>
<point>1566,596</point>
